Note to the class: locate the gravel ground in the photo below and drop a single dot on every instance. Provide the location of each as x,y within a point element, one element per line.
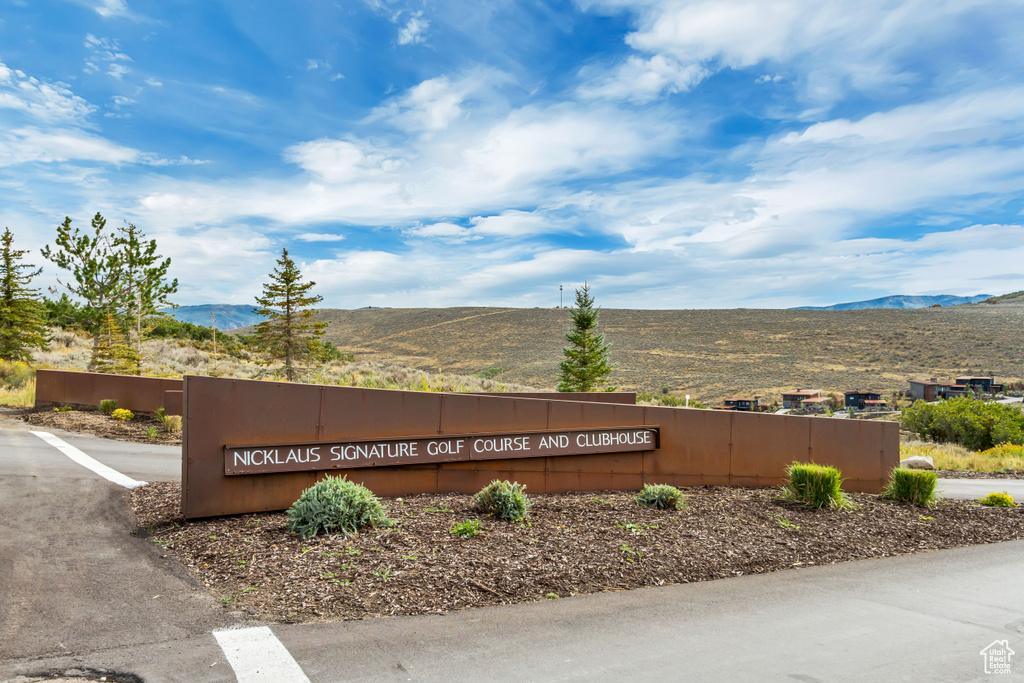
<point>571,544</point>
<point>95,422</point>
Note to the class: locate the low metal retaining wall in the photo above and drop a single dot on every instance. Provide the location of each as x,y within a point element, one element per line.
<point>138,394</point>
<point>695,446</point>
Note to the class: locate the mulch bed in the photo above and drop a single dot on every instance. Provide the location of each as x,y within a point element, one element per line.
<point>966,474</point>
<point>95,422</point>
<point>571,544</point>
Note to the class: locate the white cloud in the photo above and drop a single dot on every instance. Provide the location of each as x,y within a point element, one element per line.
<point>105,53</point>
<point>319,237</point>
<point>112,8</point>
<point>512,223</point>
<point>41,101</point>
<point>337,161</point>
<point>412,32</point>
<point>29,144</point>
<point>445,231</point>
<point>643,80</point>
<point>315,64</point>
<point>428,106</point>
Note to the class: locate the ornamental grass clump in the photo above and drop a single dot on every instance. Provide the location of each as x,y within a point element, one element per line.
<point>815,486</point>
<point>336,505</point>
<point>503,499</point>
<point>661,497</point>
<point>108,405</point>
<point>916,487</point>
<point>999,500</point>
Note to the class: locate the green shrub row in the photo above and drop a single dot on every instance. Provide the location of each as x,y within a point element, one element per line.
<point>978,425</point>
<point>336,505</point>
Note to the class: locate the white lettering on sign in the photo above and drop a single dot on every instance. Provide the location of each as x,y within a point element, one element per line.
<point>435,449</point>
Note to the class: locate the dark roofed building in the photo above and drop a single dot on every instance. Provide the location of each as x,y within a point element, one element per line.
<point>856,399</point>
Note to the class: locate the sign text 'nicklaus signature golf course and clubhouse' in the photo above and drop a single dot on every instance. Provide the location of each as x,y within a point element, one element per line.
<point>328,455</point>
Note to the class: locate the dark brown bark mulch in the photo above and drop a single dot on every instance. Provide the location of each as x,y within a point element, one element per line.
<point>95,422</point>
<point>969,474</point>
<point>571,544</point>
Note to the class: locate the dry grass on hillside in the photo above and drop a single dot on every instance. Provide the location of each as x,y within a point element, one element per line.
<point>711,354</point>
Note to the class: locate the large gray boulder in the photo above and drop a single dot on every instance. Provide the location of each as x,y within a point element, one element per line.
<point>918,462</point>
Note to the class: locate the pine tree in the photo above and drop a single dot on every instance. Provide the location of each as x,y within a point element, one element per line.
<point>115,273</point>
<point>112,353</point>
<point>285,304</point>
<point>586,361</point>
<point>22,315</point>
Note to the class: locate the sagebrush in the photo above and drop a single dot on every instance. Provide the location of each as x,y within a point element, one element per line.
<point>336,505</point>
<point>661,497</point>
<point>504,500</point>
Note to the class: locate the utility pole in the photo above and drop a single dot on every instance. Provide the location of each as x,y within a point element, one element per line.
<point>559,296</point>
<point>213,324</point>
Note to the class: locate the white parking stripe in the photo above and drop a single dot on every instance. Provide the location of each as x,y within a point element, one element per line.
<point>257,656</point>
<point>85,461</point>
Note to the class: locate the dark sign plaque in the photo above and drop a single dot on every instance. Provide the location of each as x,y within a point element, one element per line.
<point>414,450</point>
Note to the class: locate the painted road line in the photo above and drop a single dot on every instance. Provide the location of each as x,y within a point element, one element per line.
<point>88,462</point>
<point>257,656</point>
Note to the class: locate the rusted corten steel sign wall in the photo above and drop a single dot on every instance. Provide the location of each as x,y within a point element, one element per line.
<point>693,446</point>
<point>139,394</point>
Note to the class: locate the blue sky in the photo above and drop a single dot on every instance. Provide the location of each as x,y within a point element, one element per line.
<point>675,154</point>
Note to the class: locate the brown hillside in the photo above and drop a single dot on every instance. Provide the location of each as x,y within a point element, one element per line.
<point>710,354</point>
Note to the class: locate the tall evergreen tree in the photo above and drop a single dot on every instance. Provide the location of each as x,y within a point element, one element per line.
<point>22,315</point>
<point>115,274</point>
<point>586,363</point>
<point>286,306</point>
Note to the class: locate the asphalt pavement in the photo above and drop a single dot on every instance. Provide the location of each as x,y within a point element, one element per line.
<point>78,590</point>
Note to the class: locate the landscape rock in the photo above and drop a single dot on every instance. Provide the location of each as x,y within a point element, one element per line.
<point>918,462</point>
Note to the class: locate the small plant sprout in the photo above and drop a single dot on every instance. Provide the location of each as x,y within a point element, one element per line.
<point>784,523</point>
<point>152,433</point>
<point>551,596</point>
<point>467,529</point>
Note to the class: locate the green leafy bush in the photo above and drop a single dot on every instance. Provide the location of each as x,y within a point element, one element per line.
<point>336,505</point>
<point>916,487</point>
<point>108,406</point>
<point>1000,500</point>
<point>978,425</point>
<point>816,486</point>
<point>503,499</point>
<point>661,497</point>
<point>471,527</point>
<point>122,414</point>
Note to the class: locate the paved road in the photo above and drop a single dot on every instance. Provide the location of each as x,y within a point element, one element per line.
<point>78,590</point>
<point>972,489</point>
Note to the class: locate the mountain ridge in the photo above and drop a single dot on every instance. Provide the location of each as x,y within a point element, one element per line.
<point>900,301</point>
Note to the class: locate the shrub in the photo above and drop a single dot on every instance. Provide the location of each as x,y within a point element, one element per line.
<point>336,505</point>
<point>661,497</point>
<point>1001,500</point>
<point>152,433</point>
<point>471,527</point>
<point>978,425</point>
<point>107,406</point>
<point>122,414</point>
<point>816,486</point>
<point>503,499</point>
<point>15,374</point>
<point>170,423</point>
<point>916,487</point>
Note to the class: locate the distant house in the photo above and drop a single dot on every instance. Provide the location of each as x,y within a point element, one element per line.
<point>933,390</point>
<point>987,385</point>
<point>795,399</point>
<point>875,404</point>
<point>816,404</point>
<point>742,404</point>
<point>857,399</point>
